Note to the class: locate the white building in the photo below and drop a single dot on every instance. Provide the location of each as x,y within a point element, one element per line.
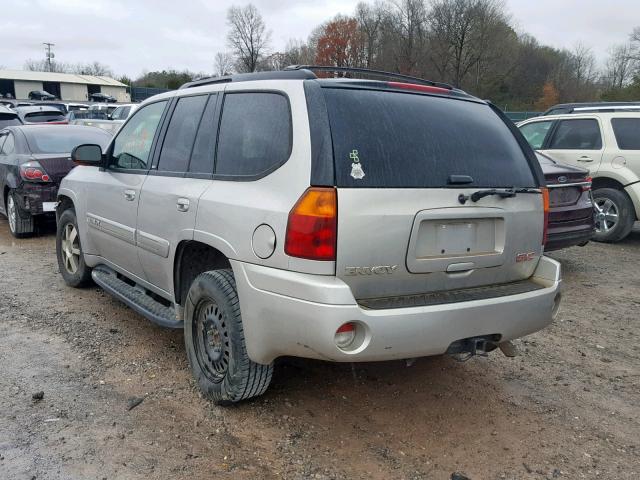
<point>65,86</point>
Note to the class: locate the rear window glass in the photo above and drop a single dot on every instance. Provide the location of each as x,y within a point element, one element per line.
<point>44,117</point>
<point>55,140</point>
<point>395,140</point>
<point>8,121</point>
<point>627,132</point>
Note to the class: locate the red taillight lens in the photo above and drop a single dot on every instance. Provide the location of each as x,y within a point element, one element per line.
<point>420,88</point>
<point>313,225</point>
<point>545,203</point>
<point>33,172</point>
<point>587,187</point>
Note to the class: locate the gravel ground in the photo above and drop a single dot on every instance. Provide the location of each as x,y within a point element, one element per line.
<point>117,400</point>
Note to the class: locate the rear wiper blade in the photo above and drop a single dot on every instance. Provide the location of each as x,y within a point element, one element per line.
<point>506,193</point>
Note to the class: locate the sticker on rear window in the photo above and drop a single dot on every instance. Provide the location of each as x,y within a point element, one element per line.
<point>356,169</point>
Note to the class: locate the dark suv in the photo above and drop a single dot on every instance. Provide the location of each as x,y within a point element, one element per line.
<point>41,95</point>
<point>102,97</point>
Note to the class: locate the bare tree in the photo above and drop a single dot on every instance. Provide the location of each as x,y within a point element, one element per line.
<point>247,36</point>
<point>95,68</point>
<point>223,64</point>
<point>619,67</point>
<point>43,66</point>
<point>409,22</point>
<point>370,22</point>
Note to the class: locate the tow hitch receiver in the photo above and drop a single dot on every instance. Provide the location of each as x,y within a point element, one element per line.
<point>463,350</point>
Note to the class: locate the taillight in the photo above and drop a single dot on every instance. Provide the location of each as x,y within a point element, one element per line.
<point>545,203</point>
<point>313,225</point>
<point>420,88</point>
<point>33,172</point>
<point>587,186</point>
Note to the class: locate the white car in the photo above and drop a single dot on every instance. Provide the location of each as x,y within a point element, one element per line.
<point>605,139</point>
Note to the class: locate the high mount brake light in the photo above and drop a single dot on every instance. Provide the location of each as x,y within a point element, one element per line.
<point>420,88</point>
<point>313,225</point>
<point>33,172</point>
<point>545,203</point>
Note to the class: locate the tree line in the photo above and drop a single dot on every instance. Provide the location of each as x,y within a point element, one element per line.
<point>470,44</point>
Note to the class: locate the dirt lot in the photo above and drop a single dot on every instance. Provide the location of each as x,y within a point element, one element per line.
<point>568,407</point>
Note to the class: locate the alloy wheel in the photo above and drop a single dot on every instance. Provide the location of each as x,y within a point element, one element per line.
<point>71,248</point>
<point>606,215</point>
<point>11,213</point>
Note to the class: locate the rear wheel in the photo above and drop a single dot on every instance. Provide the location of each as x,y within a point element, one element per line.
<point>614,215</point>
<point>69,251</point>
<point>214,340</point>
<point>20,221</point>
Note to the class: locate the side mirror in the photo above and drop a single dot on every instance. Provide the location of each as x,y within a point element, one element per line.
<point>89,155</point>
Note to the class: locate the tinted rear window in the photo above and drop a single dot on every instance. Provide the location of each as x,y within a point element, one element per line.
<point>627,132</point>
<point>58,141</point>
<point>417,141</point>
<point>44,117</point>
<point>8,120</point>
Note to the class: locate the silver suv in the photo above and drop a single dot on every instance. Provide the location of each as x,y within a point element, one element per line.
<point>281,214</point>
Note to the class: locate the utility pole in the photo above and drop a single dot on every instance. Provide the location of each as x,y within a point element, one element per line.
<point>50,55</point>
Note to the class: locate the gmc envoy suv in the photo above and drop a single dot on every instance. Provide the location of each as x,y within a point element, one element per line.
<point>281,214</point>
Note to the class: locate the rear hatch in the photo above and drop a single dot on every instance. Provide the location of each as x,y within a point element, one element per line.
<point>406,165</point>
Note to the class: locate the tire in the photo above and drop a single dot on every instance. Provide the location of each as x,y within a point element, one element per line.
<point>71,262</point>
<point>614,215</point>
<point>214,340</point>
<point>20,222</point>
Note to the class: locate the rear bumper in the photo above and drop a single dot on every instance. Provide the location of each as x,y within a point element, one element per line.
<point>562,238</point>
<point>31,196</point>
<point>294,314</point>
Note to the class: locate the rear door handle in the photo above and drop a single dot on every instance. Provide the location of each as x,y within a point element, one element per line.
<point>585,158</point>
<point>130,195</point>
<point>183,204</point>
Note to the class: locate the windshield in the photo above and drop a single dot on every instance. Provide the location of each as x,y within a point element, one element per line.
<point>403,140</point>
<point>53,140</point>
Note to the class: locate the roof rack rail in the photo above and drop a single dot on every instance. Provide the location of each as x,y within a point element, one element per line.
<point>300,74</point>
<point>367,71</point>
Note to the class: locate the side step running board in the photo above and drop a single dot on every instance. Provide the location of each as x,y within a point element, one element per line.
<point>135,298</point>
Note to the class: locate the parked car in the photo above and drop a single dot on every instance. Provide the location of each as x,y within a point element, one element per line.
<point>41,114</point>
<point>33,161</point>
<point>278,214</point>
<point>8,103</point>
<point>102,97</point>
<point>59,105</point>
<point>41,95</point>
<point>124,111</point>
<point>8,117</point>
<point>38,114</point>
<point>607,142</point>
<point>571,212</point>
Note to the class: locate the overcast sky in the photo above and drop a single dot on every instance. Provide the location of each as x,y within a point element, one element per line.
<point>135,35</point>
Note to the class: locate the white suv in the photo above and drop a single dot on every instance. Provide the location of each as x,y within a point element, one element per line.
<point>606,140</point>
<point>279,214</point>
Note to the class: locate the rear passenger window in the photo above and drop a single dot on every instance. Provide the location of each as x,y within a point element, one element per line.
<point>255,134</point>
<point>176,148</point>
<point>9,145</point>
<point>579,134</point>
<point>627,132</point>
<point>205,144</point>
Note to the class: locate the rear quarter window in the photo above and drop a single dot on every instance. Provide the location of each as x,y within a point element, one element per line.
<point>255,134</point>
<point>627,132</point>
<point>403,140</point>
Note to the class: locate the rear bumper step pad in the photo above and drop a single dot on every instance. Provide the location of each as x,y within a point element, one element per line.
<point>451,296</point>
<point>135,298</point>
